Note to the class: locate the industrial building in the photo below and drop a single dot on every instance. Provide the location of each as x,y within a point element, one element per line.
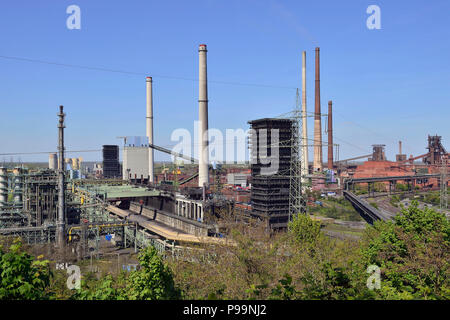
<point>237,179</point>
<point>111,164</point>
<point>270,144</point>
<point>135,165</point>
<point>192,204</point>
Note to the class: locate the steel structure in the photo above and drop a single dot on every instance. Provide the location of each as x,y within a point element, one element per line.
<point>40,194</point>
<point>443,204</point>
<point>299,160</point>
<point>436,151</point>
<point>61,223</point>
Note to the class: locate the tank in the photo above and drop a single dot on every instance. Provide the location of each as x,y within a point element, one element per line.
<point>53,161</point>
<point>3,187</point>
<point>18,186</point>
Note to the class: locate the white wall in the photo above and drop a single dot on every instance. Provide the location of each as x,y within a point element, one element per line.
<point>136,159</point>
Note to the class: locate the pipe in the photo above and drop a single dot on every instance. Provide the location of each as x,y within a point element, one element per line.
<point>318,165</point>
<point>149,119</point>
<point>203,177</point>
<point>330,135</point>
<point>61,201</point>
<point>305,170</point>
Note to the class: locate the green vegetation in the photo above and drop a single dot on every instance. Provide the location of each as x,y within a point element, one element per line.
<point>22,276</point>
<point>336,208</point>
<point>395,199</point>
<point>154,281</point>
<point>431,198</point>
<point>412,252</point>
<point>401,187</point>
<point>374,204</point>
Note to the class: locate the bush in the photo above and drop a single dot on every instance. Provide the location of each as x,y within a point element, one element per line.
<point>413,254</point>
<point>154,281</point>
<point>304,230</point>
<point>21,276</point>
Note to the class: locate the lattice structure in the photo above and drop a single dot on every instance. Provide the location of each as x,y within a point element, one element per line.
<point>444,187</point>
<point>40,199</point>
<point>296,202</point>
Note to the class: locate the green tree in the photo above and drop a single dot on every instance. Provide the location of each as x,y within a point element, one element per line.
<point>333,283</point>
<point>21,276</point>
<point>413,254</point>
<point>154,281</point>
<point>106,289</point>
<point>304,230</point>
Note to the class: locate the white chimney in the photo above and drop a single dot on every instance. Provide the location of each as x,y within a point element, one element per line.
<point>149,119</point>
<point>203,177</point>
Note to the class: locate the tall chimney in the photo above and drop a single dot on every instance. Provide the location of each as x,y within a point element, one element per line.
<point>330,135</point>
<point>203,177</point>
<point>399,147</point>
<point>305,170</point>
<point>149,119</point>
<point>61,223</point>
<point>318,166</point>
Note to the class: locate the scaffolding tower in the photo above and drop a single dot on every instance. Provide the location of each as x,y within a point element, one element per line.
<point>297,203</point>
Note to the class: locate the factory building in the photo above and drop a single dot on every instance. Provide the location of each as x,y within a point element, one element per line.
<point>237,179</point>
<point>135,159</point>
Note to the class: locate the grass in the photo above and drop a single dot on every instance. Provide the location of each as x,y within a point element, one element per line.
<point>336,208</point>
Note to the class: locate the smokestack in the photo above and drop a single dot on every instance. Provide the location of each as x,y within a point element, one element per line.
<point>203,177</point>
<point>149,119</point>
<point>61,224</point>
<point>330,135</point>
<point>304,119</point>
<point>399,147</point>
<point>318,166</point>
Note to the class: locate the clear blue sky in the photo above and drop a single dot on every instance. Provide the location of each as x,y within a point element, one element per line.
<point>386,85</point>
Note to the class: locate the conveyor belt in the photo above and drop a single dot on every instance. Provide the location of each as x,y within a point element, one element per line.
<point>367,212</point>
<point>164,230</point>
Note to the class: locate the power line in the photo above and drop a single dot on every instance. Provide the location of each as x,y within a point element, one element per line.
<point>350,144</point>
<point>140,73</point>
<point>372,131</point>
<point>45,152</point>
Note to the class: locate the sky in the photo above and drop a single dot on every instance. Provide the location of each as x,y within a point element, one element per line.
<point>386,84</point>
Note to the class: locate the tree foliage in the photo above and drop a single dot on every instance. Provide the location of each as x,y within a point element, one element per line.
<point>304,230</point>
<point>413,254</point>
<point>153,281</point>
<point>21,276</point>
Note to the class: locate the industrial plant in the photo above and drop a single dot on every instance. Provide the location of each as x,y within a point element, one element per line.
<point>188,202</point>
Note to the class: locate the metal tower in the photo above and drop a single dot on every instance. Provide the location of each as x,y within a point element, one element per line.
<point>296,202</point>
<point>61,221</point>
<point>443,194</point>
